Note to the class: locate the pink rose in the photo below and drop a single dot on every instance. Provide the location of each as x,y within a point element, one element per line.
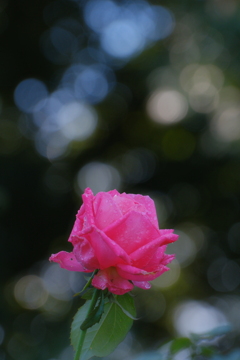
<point>119,235</point>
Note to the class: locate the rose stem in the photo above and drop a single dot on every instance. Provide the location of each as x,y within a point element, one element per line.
<point>83,332</point>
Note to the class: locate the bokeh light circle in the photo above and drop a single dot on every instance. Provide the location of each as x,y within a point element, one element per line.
<point>30,293</point>
<point>77,121</point>
<point>122,39</point>
<point>98,176</point>
<point>28,93</point>
<point>167,106</point>
<point>196,317</point>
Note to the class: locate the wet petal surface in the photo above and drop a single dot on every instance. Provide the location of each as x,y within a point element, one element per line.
<point>67,261</point>
<point>132,231</point>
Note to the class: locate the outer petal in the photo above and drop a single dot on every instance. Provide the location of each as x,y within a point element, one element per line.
<point>67,261</point>
<point>142,256</point>
<point>84,218</point>
<point>113,192</point>
<point>142,284</point>
<point>159,258</point>
<point>85,254</point>
<point>107,252</point>
<point>135,274</point>
<point>105,210</point>
<point>149,205</point>
<point>79,224</point>
<point>88,198</point>
<point>132,231</point>
<point>110,279</point>
<point>167,259</point>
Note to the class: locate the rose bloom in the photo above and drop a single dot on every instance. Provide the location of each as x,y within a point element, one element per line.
<point>118,234</point>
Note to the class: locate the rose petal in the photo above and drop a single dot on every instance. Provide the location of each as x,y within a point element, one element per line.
<point>107,251</point>
<point>100,281</point>
<point>167,259</point>
<point>105,210</point>
<point>79,223</point>
<point>113,192</point>
<point>148,204</point>
<point>88,198</point>
<point>159,258</point>
<point>109,278</point>
<point>84,217</point>
<point>85,254</point>
<point>142,284</point>
<point>132,231</point>
<point>132,273</point>
<point>67,261</point>
<point>125,204</point>
<point>142,256</point>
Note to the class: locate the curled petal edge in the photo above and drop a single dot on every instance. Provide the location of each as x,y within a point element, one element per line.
<point>153,245</point>
<point>88,201</point>
<point>132,273</point>
<point>142,284</point>
<point>67,261</point>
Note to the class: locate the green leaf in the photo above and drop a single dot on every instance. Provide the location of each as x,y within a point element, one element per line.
<point>102,338</point>
<point>180,344</point>
<point>124,310</point>
<point>95,315</point>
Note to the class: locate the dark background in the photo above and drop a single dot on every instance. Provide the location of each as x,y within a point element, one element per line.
<point>152,108</point>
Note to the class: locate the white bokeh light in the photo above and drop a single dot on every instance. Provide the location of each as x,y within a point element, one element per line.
<point>196,74</point>
<point>225,125</point>
<point>56,282</point>
<point>203,97</point>
<point>77,121</point>
<point>167,106</point>
<point>30,293</point>
<point>202,83</point>
<point>99,177</point>
<point>197,317</point>
<point>51,146</point>
<point>61,120</point>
